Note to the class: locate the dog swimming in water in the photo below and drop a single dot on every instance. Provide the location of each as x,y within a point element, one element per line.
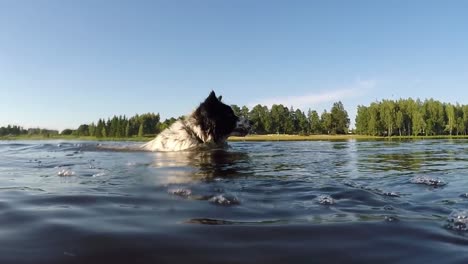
<point>209,125</point>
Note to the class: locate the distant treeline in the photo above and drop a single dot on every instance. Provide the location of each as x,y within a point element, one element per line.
<point>404,117</point>
<point>278,119</point>
<point>283,120</point>
<point>18,131</point>
<point>120,127</point>
<point>408,117</point>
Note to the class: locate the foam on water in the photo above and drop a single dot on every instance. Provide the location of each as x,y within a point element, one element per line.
<point>181,192</point>
<point>224,200</point>
<point>458,220</point>
<point>428,181</point>
<point>99,174</point>
<point>391,218</point>
<point>325,199</point>
<point>65,172</point>
<point>391,194</point>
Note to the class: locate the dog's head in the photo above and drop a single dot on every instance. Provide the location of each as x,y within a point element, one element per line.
<point>218,121</point>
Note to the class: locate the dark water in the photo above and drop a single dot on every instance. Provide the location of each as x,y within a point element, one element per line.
<point>278,202</point>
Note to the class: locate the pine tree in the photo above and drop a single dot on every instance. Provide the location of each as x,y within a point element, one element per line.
<point>140,130</point>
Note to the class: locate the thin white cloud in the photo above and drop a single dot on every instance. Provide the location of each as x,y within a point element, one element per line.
<point>356,89</point>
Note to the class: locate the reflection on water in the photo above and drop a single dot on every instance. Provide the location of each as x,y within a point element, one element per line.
<point>204,165</point>
<point>258,202</point>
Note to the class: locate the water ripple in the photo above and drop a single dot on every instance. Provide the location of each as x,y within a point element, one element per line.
<point>398,201</point>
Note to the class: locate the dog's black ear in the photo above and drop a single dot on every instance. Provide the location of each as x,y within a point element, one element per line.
<point>211,98</point>
<point>220,97</point>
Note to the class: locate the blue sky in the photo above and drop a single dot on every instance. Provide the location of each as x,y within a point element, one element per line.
<point>64,62</point>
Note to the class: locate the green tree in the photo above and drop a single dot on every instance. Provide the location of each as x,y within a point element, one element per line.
<point>65,132</point>
<point>257,116</point>
<point>104,132</point>
<point>236,109</point>
<point>314,122</point>
<point>399,121</point>
<point>289,121</point>
<point>451,118</point>
<point>465,118</point>
<point>388,115</point>
<point>339,119</point>
<point>407,107</point>
<point>92,130</point>
<point>434,117</point>
<point>83,130</point>
<point>141,130</point>
<point>267,120</point>
<point>99,128</point>
<point>326,122</point>
<point>279,114</point>
<point>418,123</point>
<point>150,123</point>
<point>244,112</point>
<point>460,126</point>
<point>374,126</point>
<point>127,130</point>
<point>362,119</point>
<point>302,123</point>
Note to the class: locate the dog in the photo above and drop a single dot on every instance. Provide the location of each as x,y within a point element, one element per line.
<point>208,126</point>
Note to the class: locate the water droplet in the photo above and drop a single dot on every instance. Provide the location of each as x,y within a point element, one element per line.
<point>181,192</point>
<point>224,200</point>
<point>99,174</point>
<point>389,208</point>
<point>428,181</point>
<point>458,220</point>
<point>65,172</point>
<point>390,218</point>
<point>326,199</point>
<point>391,194</point>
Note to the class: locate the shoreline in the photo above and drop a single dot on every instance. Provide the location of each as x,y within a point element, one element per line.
<point>270,137</point>
<point>337,137</point>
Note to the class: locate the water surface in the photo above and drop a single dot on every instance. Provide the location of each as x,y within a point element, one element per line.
<point>258,202</point>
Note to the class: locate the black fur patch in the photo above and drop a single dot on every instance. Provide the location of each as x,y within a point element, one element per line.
<point>215,118</point>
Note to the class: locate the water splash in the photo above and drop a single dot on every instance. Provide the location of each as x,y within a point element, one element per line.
<point>99,174</point>
<point>428,181</point>
<point>391,218</point>
<point>181,192</point>
<point>326,200</point>
<point>391,194</point>
<point>458,220</point>
<point>224,200</point>
<point>65,172</point>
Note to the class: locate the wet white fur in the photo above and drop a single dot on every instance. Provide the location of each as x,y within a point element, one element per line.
<point>184,134</point>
